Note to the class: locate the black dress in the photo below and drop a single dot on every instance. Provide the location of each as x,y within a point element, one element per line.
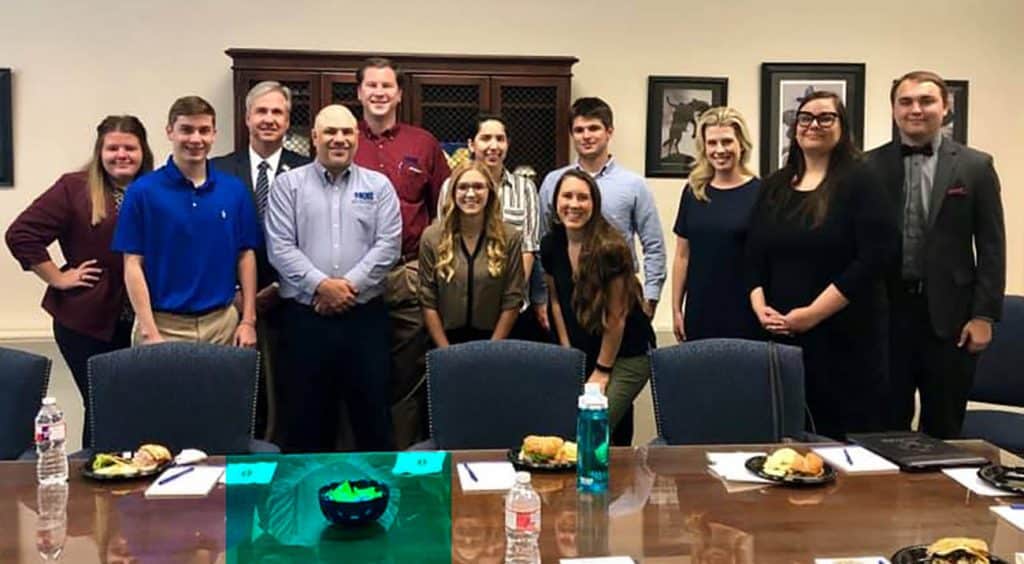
<point>717,297</point>
<point>846,355</point>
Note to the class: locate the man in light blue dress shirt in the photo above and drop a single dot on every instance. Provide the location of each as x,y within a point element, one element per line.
<point>333,233</point>
<point>626,202</point>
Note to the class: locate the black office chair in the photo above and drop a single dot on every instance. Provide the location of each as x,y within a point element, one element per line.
<point>998,381</point>
<point>182,395</point>
<point>722,391</point>
<point>24,378</point>
<point>490,394</point>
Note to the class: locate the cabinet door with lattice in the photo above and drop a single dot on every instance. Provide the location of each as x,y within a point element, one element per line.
<point>535,109</point>
<point>341,88</point>
<point>305,91</point>
<point>447,106</point>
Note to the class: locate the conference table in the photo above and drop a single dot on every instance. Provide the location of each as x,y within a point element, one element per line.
<point>662,506</point>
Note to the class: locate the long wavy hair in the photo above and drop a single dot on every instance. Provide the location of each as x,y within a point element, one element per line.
<point>494,227</point>
<point>100,183</point>
<point>604,256</point>
<point>779,186</point>
<point>703,172</point>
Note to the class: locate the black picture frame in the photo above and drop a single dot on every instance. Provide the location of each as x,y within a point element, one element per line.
<point>672,120</point>
<point>783,85</point>
<point>6,125</point>
<point>954,126</point>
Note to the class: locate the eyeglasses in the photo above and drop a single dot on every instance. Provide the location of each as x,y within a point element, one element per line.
<point>824,119</point>
<point>467,186</point>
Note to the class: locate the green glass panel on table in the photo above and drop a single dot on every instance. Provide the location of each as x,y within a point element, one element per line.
<point>274,513</point>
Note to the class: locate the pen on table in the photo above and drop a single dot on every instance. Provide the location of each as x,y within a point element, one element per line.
<point>470,471</point>
<point>163,481</point>
<point>849,459</point>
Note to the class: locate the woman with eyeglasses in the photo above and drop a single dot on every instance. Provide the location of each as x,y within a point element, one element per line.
<point>822,237</point>
<point>471,264</point>
<point>711,231</point>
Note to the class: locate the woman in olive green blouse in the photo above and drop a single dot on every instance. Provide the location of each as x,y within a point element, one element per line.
<point>471,264</point>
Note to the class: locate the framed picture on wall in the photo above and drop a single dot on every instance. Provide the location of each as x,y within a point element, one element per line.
<point>6,138</point>
<point>674,104</point>
<point>954,126</point>
<point>785,85</point>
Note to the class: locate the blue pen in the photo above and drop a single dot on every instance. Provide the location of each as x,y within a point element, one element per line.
<point>470,471</point>
<point>1017,506</point>
<point>849,459</point>
<point>163,481</point>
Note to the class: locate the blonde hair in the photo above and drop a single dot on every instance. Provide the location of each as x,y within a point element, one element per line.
<point>97,179</point>
<point>494,227</point>
<point>703,172</point>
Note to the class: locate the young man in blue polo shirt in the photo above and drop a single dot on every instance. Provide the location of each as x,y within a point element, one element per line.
<point>188,233</point>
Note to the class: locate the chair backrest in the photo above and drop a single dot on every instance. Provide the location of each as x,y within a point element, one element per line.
<point>182,395</point>
<point>721,391</point>
<point>997,378</point>
<point>24,378</point>
<point>490,394</point>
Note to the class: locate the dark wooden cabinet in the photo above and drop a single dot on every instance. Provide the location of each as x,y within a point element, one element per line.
<point>443,94</point>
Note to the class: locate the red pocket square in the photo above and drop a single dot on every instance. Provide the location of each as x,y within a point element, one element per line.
<point>956,191</point>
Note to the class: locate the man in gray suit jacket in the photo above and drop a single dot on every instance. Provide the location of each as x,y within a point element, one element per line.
<point>947,290</point>
<point>267,115</point>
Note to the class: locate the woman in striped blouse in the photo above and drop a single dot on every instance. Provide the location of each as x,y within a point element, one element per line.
<point>518,194</point>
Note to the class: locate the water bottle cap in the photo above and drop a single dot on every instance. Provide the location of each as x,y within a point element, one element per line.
<point>49,400</point>
<point>522,477</point>
<point>592,397</point>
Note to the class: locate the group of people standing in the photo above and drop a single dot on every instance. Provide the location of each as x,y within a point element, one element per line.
<point>887,269</point>
<point>344,269</point>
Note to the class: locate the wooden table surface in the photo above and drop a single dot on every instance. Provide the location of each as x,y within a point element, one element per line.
<point>662,506</point>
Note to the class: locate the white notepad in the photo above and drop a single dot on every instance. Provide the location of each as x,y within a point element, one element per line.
<point>968,478</point>
<point>490,476</point>
<point>732,466</point>
<point>864,461</point>
<point>1014,516</point>
<point>196,483</point>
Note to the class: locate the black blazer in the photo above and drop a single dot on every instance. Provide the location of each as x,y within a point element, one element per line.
<point>964,214</point>
<point>237,163</point>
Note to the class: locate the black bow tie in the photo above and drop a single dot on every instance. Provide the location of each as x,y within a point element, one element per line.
<point>908,150</point>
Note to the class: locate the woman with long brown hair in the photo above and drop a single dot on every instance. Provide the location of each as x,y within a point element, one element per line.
<point>86,297</point>
<point>822,236</point>
<point>596,299</point>
<point>471,264</point>
<point>711,232</point>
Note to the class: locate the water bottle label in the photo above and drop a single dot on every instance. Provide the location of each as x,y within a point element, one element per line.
<point>521,521</point>
<point>42,433</point>
<point>46,432</point>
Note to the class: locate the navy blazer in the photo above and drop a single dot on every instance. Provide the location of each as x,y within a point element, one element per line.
<point>238,164</point>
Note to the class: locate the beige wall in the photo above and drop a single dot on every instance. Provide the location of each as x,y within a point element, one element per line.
<point>75,62</point>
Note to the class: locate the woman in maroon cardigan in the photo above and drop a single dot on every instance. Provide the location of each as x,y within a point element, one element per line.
<point>86,297</point>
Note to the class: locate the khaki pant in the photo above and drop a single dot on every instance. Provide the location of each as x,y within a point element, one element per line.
<point>408,350</point>
<point>628,378</point>
<point>216,327</point>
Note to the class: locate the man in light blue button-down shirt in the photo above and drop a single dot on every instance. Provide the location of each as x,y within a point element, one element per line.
<point>333,234</point>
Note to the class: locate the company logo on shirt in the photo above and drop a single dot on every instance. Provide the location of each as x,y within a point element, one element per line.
<point>363,196</point>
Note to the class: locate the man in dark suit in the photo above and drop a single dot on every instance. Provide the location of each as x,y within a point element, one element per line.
<point>267,115</point>
<point>947,290</point>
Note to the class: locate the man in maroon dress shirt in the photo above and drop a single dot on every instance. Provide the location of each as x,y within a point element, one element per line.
<point>414,162</point>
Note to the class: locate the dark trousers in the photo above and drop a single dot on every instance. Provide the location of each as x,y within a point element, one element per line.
<point>935,366</point>
<point>333,359</point>
<point>527,328</point>
<point>76,349</point>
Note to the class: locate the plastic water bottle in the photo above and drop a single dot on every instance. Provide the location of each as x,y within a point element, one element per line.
<point>52,462</point>
<point>592,440</point>
<point>522,522</point>
<point>52,525</point>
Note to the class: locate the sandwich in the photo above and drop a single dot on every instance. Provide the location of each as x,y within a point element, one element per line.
<point>150,456</point>
<point>958,550</point>
<point>540,449</point>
